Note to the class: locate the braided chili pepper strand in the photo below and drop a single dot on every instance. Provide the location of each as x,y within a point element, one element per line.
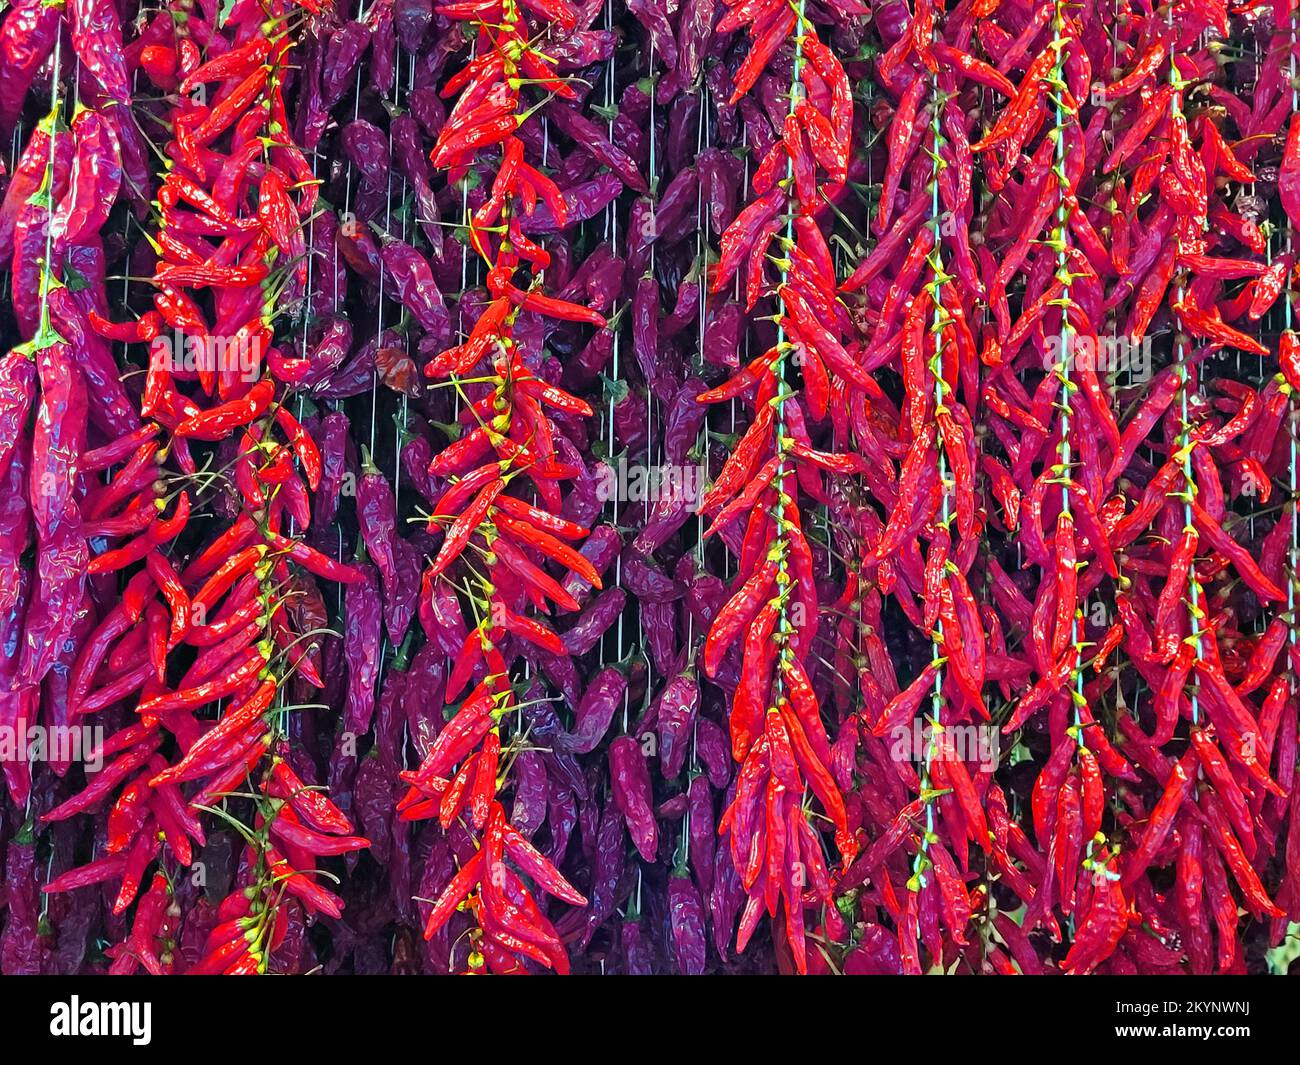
<point>293,824</point>
<point>1211,790</point>
<point>244,594</point>
<point>1184,436</point>
<point>935,878</point>
<point>1056,617</point>
<point>501,580</point>
<point>1080,809</point>
<point>1067,796</point>
<point>67,180</point>
<point>935,354</point>
<point>776,731</point>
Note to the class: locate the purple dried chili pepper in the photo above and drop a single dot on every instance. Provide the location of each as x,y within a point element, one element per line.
<point>678,703</point>
<point>377,520</point>
<point>422,699</point>
<point>599,704</point>
<point>714,750</point>
<point>408,150</point>
<point>630,779</point>
<point>646,581</point>
<point>401,605</point>
<point>722,336</point>
<point>412,280</point>
<point>366,147</point>
<point>594,621</point>
<point>607,868</point>
<point>561,817</point>
<point>26,41</point>
<point>701,832</point>
<point>383,47</point>
<point>22,947</point>
<point>17,390</point>
<point>110,407</point>
<point>62,552</point>
<point>581,202</point>
<point>334,441</point>
<point>531,787</point>
<point>361,648</point>
<point>675,213</point>
<point>638,956</point>
<point>725,899</point>
<point>654,18</point>
<point>588,135</point>
<point>427,108</point>
<point>673,509</point>
<point>687,917</point>
<point>346,47</point>
<point>412,18</point>
<point>600,548</point>
<point>659,623</point>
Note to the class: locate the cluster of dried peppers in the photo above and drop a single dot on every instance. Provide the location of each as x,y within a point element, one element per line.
<point>499,486</point>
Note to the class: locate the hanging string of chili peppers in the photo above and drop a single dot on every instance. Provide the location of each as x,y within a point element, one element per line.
<point>777,732</point>
<point>236,601</point>
<point>920,331</point>
<point>493,533</point>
